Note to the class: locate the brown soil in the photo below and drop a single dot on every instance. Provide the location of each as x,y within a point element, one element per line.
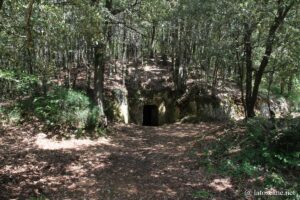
<point>134,163</point>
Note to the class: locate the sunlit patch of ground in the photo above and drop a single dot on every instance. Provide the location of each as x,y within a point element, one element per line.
<point>134,163</point>
<point>221,184</point>
<point>43,142</point>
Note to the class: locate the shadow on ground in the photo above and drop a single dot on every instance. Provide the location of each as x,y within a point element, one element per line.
<point>135,163</point>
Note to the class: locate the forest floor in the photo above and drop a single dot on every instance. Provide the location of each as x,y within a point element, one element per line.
<point>134,162</point>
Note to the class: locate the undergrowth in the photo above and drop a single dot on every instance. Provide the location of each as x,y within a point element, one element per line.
<point>16,84</point>
<point>259,155</point>
<point>60,109</point>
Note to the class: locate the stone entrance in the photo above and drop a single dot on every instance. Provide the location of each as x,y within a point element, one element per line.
<point>150,115</point>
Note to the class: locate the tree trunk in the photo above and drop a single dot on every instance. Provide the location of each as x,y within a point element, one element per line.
<point>282,12</point>
<point>152,50</point>
<point>100,51</point>
<point>249,69</point>
<point>241,80</point>
<point>290,84</point>
<point>29,38</point>
<point>215,77</point>
<point>124,53</point>
<point>99,65</point>
<point>1,4</point>
<point>271,78</point>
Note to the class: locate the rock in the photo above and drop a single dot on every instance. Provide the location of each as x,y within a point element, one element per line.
<point>118,106</point>
<point>264,110</point>
<point>279,107</point>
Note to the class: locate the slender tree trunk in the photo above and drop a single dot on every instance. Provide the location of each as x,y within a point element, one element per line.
<point>272,114</point>
<point>100,52</point>
<point>290,83</point>
<point>215,77</point>
<point>124,52</point>
<point>1,4</point>
<point>152,50</point>
<point>282,85</point>
<point>29,38</point>
<point>249,69</point>
<point>241,80</point>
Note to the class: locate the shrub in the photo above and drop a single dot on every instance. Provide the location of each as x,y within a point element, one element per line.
<point>93,119</point>
<point>11,114</point>
<point>15,84</point>
<point>264,155</point>
<point>65,107</point>
<point>203,194</point>
<point>286,146</point>
<point>271,145</point>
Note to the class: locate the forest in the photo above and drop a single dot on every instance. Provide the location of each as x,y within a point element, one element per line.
<point>149,99</point>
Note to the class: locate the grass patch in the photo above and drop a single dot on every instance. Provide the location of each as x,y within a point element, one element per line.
<point>203,194</point>
<point>41,197</point>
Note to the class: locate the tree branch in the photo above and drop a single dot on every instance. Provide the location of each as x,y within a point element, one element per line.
<point>279,19</point>
<point>127,26</point>
<point>119,10</point>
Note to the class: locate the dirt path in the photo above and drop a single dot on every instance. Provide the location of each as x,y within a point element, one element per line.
<point>135,163</point>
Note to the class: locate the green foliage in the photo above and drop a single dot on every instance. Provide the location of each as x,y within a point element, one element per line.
<point>65,107</point>
<point>266,153</point>
<point>11,115</point>
<point>14,84</point>
<point>273,146</point>
<point>275,179</point>
<point>61,106</point>
<point>294,95</point>
<point>202,194</point>
<point>240,170</point>
<point>93,119</point>
<point>41,197</point>
<point>14,116</point>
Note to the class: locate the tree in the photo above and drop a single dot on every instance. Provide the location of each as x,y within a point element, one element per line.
<point>202,41</point>
<point>29,37</point>
<point>252,91</point>
<point>1,4</point>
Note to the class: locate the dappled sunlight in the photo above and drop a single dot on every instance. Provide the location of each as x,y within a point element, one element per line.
<point>209,137</point>
<point>221,185</point>
<point>234,150</point>
<point>43,142</point>
<point>134,161</point>
<point>77,169</point>
<point>186,130</point>
<point>15,169</point>
<point>131,189</point>
<point>256,179</point>
<point>150,76</point>
<point>167,190</point>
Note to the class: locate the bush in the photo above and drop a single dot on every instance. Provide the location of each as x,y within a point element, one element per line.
<point>271,145</point>
<point>264,154</point>
<point>287,147</point>
<point>93,119</point>
<point>65,107</point>
<point>11,115</point>
<point>15,84</point>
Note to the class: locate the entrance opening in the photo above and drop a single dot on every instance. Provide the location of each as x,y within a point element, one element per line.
<point>150,115</point>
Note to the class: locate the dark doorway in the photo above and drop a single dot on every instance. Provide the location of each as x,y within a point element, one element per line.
<point>150,115</point>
